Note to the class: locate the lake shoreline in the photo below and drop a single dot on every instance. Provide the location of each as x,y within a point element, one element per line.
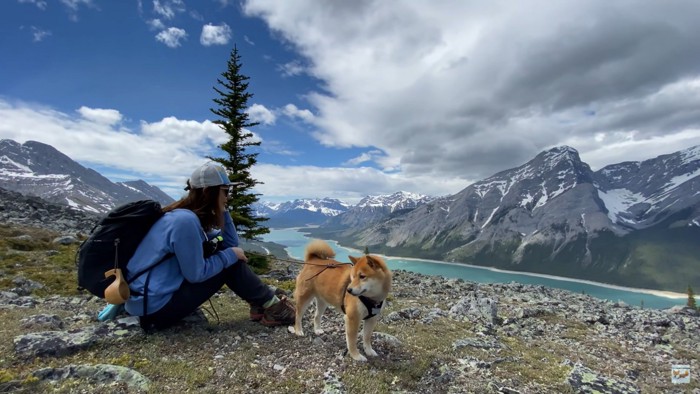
<point>658,293</point>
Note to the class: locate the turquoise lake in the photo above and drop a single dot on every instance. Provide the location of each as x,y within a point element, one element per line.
<point>295,242</point>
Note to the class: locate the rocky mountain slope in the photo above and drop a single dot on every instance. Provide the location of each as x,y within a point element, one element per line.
<point>37,169</point>
<point>625,224</point>
<point>437,335</point>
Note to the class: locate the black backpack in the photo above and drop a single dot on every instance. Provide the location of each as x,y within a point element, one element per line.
<point>112,242</point>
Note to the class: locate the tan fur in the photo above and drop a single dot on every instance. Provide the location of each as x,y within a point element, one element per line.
<point>368,276</point>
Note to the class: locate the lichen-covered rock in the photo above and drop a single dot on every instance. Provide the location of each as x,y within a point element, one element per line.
<point>42,321</point>
<point>584,380</point>
<point>103,374</point>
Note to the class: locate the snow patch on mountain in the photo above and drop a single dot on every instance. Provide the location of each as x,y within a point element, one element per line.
<point>9,162</point>
<point>690,155</point>
<point>618,201</point>
<point>678,180</point>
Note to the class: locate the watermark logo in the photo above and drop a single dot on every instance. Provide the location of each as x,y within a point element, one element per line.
<point>680,373</point>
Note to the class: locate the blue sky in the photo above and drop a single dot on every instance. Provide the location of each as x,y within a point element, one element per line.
<point>354,98</point>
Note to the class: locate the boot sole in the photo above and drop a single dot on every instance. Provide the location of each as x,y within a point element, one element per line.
<point>274,323</point>
<point>256,317</point>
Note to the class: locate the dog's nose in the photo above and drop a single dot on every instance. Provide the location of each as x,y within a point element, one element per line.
<point>349,290</point>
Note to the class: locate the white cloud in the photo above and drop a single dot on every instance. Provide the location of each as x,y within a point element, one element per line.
<point>259,113</point>
<point>225,3</point>
<point>215,35</point>
<point>39,3</point>
<point>74,4</point>
<point>168,8</point>
<point>39,34</point>
<point>99,115</point>
<point>156,24</point>
<point>192,135</point>
<point>248,40</point>
<point>283,183</point>
<point>363,158</point>
<point>171,36</point>
<point>466,89</point>
<point>291,69</point>
<point>292,111</point>
<point>167,150</point>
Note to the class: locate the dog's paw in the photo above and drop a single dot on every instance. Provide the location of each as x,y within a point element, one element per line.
<point>319,332</point>
<point>359,357</point>
<point>294,331</point>
<point>371,353</point>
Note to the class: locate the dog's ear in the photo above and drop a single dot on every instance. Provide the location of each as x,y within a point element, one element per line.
<point>353,259</point>
<point>371,262</point>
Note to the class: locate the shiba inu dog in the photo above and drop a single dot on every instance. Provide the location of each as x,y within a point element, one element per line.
<point>359,290</point>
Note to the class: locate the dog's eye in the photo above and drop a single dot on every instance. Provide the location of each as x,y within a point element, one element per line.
<point>362,276</point>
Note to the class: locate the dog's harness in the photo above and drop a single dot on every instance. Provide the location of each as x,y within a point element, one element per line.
<point>373,307</point>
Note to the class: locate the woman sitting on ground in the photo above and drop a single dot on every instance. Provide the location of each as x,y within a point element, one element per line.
<point>186,279</point>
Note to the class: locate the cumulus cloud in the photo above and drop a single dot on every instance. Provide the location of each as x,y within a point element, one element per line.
<point>167,149</point>
<point>292,111</point>
<point>99,115</point>
<point>259,113</point>
<point>467,89</point>
<point>215,35</point>
<point>172,36</point>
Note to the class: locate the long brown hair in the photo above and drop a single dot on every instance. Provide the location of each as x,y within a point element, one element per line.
<point>204,202</point>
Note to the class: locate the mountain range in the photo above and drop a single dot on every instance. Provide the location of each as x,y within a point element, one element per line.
<point>300,212</point>
<point>336,213</point>
<point>38,169</point>
<point>632,223</point>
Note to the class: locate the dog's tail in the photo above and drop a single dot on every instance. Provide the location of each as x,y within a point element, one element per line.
<point>319,249</point>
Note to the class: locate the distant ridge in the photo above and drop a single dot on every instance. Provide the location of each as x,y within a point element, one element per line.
<point>37,169</point>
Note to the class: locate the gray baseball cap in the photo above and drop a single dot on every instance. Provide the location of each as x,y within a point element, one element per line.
<point>209,174</point>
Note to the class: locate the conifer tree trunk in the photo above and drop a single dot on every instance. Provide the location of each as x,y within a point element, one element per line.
<point>691,298</point>
<point>232,103</point>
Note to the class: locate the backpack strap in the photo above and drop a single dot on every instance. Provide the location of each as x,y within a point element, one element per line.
<point>148,279</point>
<point>143,271</point>
<point>145,293</point>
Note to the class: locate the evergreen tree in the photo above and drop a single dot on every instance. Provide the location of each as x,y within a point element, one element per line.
<point>232,102</point>
<point>691,298</point>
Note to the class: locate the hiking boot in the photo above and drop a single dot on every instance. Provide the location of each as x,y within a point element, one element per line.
<point>282,313</point>
<point>257,311</point>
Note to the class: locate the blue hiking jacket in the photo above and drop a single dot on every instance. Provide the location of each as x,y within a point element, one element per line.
<point>178,232</point>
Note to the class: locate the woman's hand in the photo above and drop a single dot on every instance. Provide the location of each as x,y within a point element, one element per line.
<point>240,253</point>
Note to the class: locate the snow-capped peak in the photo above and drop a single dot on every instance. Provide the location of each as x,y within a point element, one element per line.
<point>395,201</point>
